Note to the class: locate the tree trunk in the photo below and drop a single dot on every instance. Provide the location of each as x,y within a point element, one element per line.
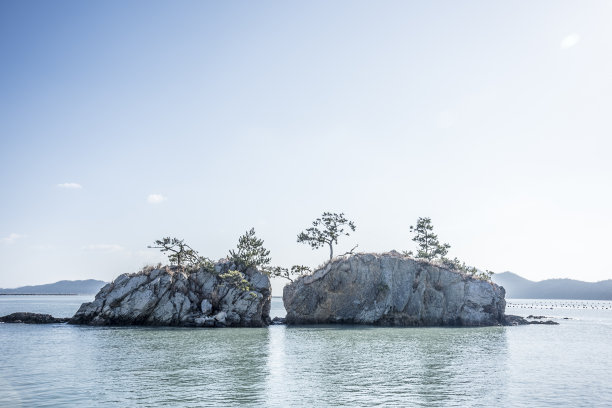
<point>331,251</point>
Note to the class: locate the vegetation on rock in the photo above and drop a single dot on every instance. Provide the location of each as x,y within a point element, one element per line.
<point>430,250</point>
<point>290,273</point>
<point>326,230</point>
<point>250,252</point>
<point>236,279</point>
<point>428,245</point>
<point>180,252</point>
<point>459,266</point>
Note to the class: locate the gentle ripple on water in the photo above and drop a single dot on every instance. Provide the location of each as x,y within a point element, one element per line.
<point>62,365</point>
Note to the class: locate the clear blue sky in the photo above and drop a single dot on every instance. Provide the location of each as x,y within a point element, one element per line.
<point>123,122</point>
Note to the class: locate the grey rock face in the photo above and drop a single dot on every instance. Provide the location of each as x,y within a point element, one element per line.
<point>170,297</point>
<point>389,289</point>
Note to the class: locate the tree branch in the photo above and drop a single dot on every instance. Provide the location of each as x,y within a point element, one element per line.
<point>350,252</point>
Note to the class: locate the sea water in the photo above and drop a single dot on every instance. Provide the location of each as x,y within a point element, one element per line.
<point>61,365</point>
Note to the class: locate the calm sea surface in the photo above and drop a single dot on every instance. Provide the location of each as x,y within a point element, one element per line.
<point>537,366</point>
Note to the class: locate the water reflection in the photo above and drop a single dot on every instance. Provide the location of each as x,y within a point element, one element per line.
<point>353,365</point>
<point>62,365</point>
<point>186,366</point>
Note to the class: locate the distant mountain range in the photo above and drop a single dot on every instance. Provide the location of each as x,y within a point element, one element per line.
<point>521,288</point>
<point>516,288</point>
<point>65,287</point>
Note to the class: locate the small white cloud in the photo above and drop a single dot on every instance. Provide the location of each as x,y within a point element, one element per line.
<point>570,40</point>
<point>72,186</point>
<point>104,247</point>
<point>155,198</point>
<point>12,238</point>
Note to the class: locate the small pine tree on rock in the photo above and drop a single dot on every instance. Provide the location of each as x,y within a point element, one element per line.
<point>250,252</point>
<point>428,245</point>
<point>326,231</point>
<point>181,254</point>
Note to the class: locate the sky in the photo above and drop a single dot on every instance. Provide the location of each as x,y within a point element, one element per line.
<point>124,122</point>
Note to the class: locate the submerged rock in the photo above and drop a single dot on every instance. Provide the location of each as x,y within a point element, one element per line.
<point>549,322</point>
<point>170,296</point>
<point>32,318</point>
<point>511,320</point>
<point>393,290</point>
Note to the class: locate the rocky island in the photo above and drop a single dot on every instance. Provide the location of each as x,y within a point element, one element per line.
<point>387,289</point>
<point>174,296</point>
<point>393,290</point>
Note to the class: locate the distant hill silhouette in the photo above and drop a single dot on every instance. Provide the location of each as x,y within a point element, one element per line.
<point>79,287</point>
<point>521,288</point>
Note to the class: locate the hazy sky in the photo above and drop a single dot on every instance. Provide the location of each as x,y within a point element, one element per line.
<point>123,122</point>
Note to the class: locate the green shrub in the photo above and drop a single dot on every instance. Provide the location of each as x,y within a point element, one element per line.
<point>236,279</point>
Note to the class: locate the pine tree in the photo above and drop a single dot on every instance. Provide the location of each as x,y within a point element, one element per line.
<point>180,252</point>
<point>326,231</point>
<point>427,242</point>
<point>250,252</point>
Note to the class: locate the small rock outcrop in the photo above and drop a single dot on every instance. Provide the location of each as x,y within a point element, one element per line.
<point>278,320</point>
<point>32,318</point>
<point>511,320</point>
<point>170,296</point>
<point>392,290</point>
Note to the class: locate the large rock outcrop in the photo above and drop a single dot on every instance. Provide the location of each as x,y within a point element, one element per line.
<point>390,289</point>
<point>169,296</point>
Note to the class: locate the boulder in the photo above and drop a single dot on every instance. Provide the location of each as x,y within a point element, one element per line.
<point>173,296</point>
<point>392,290</point>
<point>511,320</point>
<point>278,321</point>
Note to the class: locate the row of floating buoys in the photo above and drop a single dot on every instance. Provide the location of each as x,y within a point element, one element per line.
<point>562,305</point>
